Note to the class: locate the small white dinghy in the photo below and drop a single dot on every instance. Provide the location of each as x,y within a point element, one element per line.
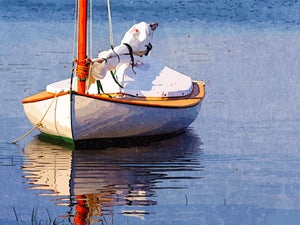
<point>150,99</point>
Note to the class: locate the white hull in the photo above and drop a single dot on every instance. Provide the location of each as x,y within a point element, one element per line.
<point>95,118</point>
<point>85,116</point>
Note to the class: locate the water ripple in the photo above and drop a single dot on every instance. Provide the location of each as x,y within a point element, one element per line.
<point>114,176</point>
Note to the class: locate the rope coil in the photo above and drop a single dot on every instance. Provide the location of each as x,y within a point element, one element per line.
<point>82,72</point>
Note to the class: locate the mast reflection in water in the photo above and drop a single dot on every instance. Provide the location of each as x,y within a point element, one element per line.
<point>93,182</point>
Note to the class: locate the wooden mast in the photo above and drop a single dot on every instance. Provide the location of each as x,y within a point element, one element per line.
<point>82,64</point>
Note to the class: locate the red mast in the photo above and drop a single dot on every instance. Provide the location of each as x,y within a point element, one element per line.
<point>82,66</point>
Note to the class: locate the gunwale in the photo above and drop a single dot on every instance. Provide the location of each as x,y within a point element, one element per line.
<point>194,98</point>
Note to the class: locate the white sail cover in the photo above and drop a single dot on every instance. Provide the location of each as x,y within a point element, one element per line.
<point>138,37</point>
<point>146,78</point>
<point>150,79</point>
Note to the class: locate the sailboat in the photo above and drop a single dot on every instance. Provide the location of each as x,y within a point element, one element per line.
<point>158,101</point>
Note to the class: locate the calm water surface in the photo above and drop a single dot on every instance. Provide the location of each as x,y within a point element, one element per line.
<point>238,163</point>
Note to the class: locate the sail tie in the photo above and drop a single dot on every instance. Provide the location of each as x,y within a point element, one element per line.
<point>131,55</point>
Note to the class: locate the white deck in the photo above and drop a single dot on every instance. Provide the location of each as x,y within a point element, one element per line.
<point>151,79</point>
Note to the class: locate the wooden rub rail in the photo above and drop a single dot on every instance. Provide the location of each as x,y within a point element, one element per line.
<point>190,100</point>
<point>42,96</point>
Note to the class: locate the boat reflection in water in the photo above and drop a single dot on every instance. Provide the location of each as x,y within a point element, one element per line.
<point>93,182</point>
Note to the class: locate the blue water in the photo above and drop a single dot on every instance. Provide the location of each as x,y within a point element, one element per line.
<point>238,163</point>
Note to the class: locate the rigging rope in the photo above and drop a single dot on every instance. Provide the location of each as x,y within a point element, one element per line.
<point>91,28</point>
<point>75,28</point>
<point>74,44</point>
<point>110,26</point>
<point>112,44</point>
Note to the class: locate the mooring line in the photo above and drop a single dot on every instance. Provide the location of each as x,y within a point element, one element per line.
<point>39,123</point>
